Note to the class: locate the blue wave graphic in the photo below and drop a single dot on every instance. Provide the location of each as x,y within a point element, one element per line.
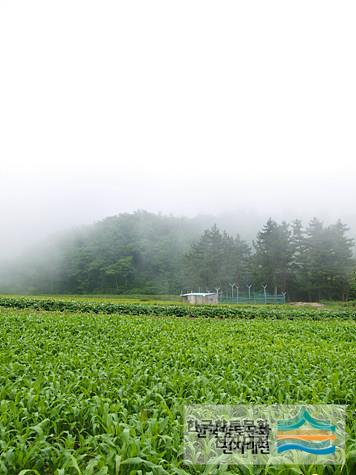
<point>327,450</point>
<point>304,443</point>
<point>303,417</point>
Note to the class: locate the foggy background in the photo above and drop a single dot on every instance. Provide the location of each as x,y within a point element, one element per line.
<point>241,110</point>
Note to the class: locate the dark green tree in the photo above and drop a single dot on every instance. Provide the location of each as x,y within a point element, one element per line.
<point>273,256</point>
<point>216,260</point>
<point>328,259</point>
<point>297,285</point>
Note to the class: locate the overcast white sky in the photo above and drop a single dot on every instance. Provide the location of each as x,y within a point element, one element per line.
<point>182,107</point>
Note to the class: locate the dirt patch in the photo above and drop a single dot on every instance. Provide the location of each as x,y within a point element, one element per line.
<point>307,304</point>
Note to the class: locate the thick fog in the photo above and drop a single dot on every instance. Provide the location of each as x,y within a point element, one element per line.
<point>243,110</point>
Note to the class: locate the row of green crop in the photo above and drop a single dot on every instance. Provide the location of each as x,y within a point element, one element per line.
<point>90,395</point>
<point>217,311</point>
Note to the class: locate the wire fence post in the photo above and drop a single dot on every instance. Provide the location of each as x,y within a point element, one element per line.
<point>217,292</point>
<point>264,292</point>
<point>249,292</point>
<point>232,290</point>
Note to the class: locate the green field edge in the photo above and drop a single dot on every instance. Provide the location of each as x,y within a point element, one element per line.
<point>160,309</point>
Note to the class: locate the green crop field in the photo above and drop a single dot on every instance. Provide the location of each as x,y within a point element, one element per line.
<point>96,392</point>
<point>110,298</point>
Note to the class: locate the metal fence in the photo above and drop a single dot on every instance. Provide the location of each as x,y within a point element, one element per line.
<point>253,298</point>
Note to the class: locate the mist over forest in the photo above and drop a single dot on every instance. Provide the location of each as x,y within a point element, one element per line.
<point>239,119</point>
<point>147,253</point>
<point>153,148</point>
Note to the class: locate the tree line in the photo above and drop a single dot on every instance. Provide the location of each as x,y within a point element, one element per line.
<point>309,263</point>
<point>146,253</point>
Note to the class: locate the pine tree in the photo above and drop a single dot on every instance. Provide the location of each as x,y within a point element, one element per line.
<point>273,256</point>
<point>328,260</point>
<point>298,262</point>
<point>217,259</point>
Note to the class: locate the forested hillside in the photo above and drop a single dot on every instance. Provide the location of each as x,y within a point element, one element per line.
<point>147,253</point>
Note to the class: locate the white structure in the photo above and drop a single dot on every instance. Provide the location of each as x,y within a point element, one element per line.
<point>196,298</point>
